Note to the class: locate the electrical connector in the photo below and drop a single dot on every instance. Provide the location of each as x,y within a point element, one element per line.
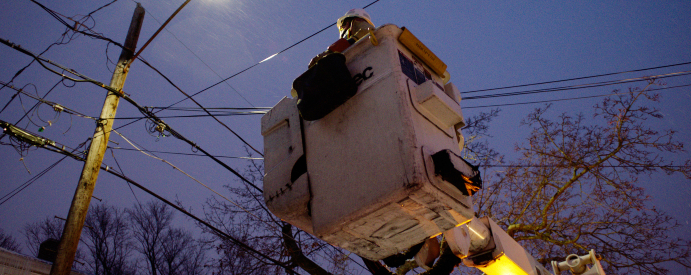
<point>58,108</point>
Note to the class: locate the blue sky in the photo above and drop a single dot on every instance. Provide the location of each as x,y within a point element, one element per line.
<point>485,44</point>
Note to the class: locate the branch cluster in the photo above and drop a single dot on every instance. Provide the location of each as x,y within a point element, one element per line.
<point>578,186</point>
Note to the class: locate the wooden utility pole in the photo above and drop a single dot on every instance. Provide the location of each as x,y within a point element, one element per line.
<point>94,158</point>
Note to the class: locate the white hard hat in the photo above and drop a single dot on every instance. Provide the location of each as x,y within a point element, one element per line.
<point>359,13</point>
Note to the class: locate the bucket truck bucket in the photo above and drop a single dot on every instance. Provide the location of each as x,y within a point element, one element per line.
<point>381,172</point>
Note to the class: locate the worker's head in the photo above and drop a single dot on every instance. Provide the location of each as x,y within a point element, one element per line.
<point>353,21</point>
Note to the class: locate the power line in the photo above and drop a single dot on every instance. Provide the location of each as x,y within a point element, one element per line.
<point>26,113</point>
<point>57,16</point>
<point>29,182</point>
<point>23,186</point>
<point>213,228</point>
<point>211,108</point>
<point>271,56</point>
<point>41,59</point>
<point>200,106</point>
<point>566,99</point>
<point>51,146</point>
<point>583,166</point>
<point>158,124</point>
<point>112,153</point>
<point>49,103</point>
<point>120,93</point>
<point>576,78</point>
<point>100,36</point>
<point>157,32</point>
<point>180,170</point>
<point>61,41</point>
<point>108,169</point>
<point>86,79</point>
<point>205,64</point>
<point>581,86</point>
<point>214,191</point>
<point>193,116</point>
<point>182,210</point>
<point>178,88</point>
<point>77,23</point>
<point>207,187</point>
<point>185,154</point>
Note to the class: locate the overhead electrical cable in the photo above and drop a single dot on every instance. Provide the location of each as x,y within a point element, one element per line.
<point>581,86</point>
<point>181,171</point>
<point>52,146</point>
<point>23,186</point>
<point>270,57</point>
<point>74,28</point>
<point>32,180</point>
<point>582,166</point>
<point>576,78</point>
<point>18,91</point>
<point>566,99</point>
<point>93,34</point>
<point>185,154</point>
<point>160,125</point>
<point>40,100</point>
<point>185,212</point>
<point>201,221</point>
<point>212,108</point>
<point>112,153</point>
<point>209,188</point>
<point>122,176</point>
<point>134,58</point>
<point>96,35</point>
<point>19,72</point>
<point>200,106</point>
<point>200,59</point>
<point>194,116</point>
<point>204,185</point>
<point>41,61</point>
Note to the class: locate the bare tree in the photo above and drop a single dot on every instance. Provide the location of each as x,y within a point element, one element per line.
<point>476,134</point>
<point>48,228</point>
<point>108,239</point>
<point>181,253</point>
<point>38,232</point>
<point>196,261</point>
<point>149,223</point>
<point>576,187</point>
<point>8,242</point>
<point>245,217</point>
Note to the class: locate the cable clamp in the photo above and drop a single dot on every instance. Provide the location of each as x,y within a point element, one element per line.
<point>101,122</point>
<point>160,127</point>
<point>58,108</point>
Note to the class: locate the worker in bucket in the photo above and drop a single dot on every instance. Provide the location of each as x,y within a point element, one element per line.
<point>352,26</point>
<point>327,83</point>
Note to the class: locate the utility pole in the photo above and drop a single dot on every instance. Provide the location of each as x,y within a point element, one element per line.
<point>82,196</point>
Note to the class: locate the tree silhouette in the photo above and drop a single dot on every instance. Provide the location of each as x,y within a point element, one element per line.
<point>8,242</point>
<point>108,239</point>
<point>576,186</point>
<point>149,223</point>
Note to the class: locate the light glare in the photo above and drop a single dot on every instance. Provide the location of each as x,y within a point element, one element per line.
<point>272,56</point>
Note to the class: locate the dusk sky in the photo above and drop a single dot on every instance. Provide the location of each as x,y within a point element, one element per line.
<point>486,44</point>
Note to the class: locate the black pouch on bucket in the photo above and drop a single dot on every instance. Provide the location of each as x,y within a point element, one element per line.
<point>324,87</point>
